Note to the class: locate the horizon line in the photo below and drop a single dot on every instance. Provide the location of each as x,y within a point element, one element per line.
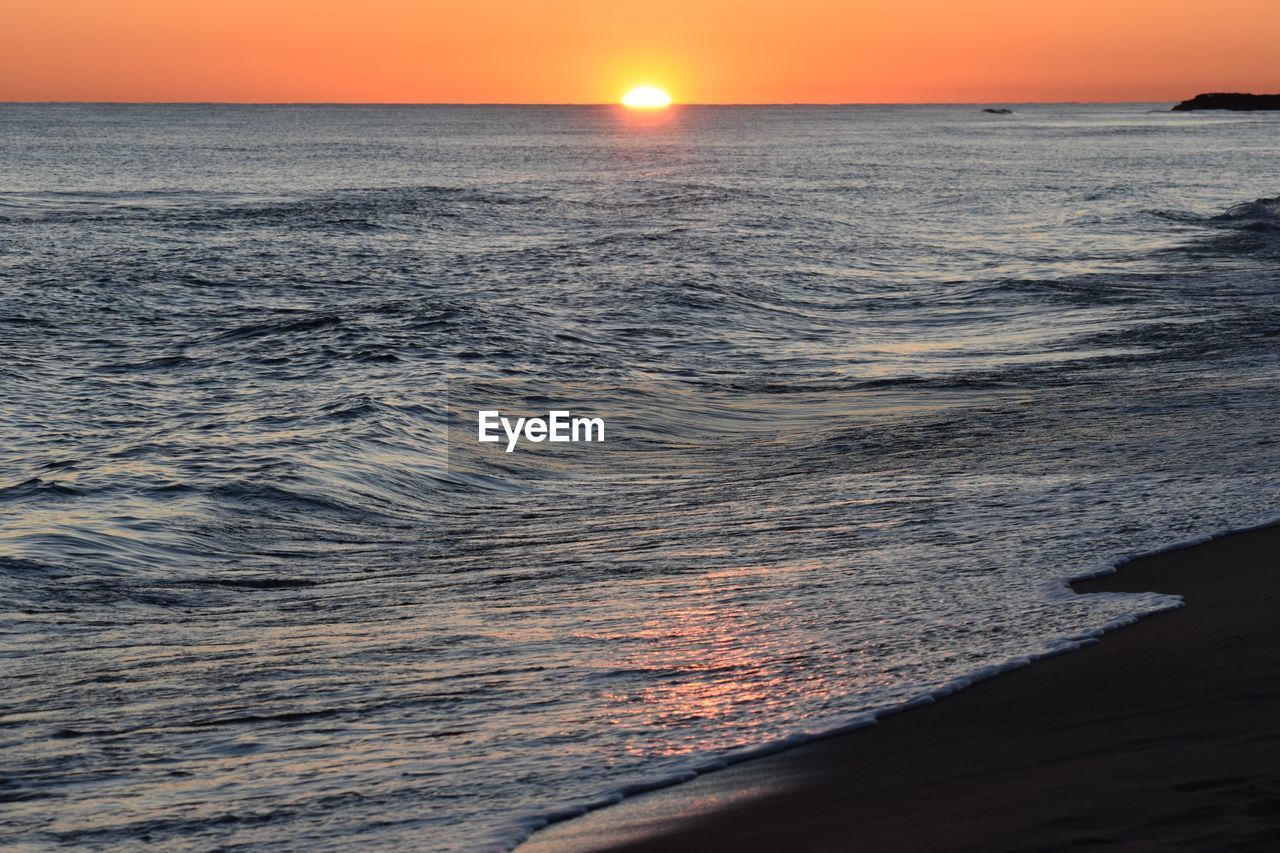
<point>567,103</point>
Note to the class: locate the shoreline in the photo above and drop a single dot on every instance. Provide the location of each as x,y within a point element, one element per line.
<point>1164,731</point>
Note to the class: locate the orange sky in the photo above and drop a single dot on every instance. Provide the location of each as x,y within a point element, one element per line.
<point>566,51</point>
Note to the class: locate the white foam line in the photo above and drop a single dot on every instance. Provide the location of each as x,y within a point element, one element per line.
<point>1110,567</point>
<point>1058,589</point>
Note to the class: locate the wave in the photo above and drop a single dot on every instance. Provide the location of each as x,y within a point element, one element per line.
<point>1145,604</point>
<point>337,210</point>
<point>1250,228</point>
<point>36,487</point>
<point>1259,214</point>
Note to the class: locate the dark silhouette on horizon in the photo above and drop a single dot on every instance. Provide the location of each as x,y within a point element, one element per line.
<point>1230,101</point>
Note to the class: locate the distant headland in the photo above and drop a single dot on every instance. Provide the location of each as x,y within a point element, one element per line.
<point>1230,101</point>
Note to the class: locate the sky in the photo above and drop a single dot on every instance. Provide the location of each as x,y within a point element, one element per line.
<point>592,51</point>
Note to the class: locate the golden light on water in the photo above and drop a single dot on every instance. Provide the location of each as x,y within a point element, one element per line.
<point>646,98</point>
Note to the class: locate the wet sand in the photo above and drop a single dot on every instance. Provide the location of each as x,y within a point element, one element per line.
<point>1163,736</point>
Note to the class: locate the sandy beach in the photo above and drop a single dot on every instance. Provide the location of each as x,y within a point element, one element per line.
<point>1165,735</point>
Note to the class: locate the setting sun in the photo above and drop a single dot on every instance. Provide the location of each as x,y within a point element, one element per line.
<point>646,98</point>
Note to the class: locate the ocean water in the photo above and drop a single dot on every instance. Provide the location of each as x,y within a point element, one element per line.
<point>879,379</point>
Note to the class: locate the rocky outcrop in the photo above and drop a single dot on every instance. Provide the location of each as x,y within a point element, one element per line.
<point>1000,111</point>
<point>1230,101</point>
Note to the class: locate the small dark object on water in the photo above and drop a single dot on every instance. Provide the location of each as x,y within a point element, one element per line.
<point>1000,111</point>
<point>1230,101</point>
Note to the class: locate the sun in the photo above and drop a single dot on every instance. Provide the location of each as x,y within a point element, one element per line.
<point>646,98</point>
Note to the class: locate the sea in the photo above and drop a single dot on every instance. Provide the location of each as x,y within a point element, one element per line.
<point>877,380</point>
